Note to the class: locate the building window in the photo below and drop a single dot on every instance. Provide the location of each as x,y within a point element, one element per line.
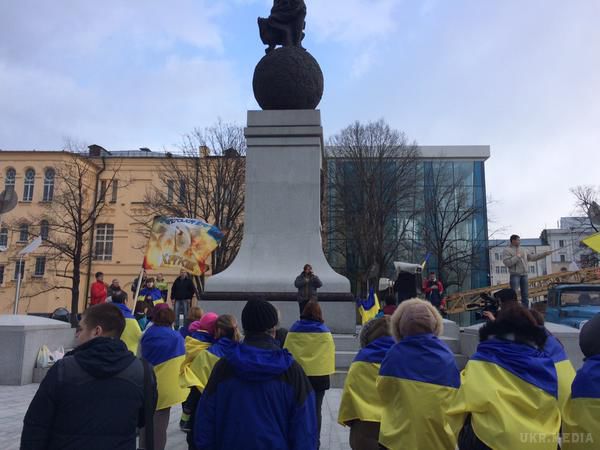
<point>563,258</point>
<point>102,190</point>
<point>4,237</point>
<point>503,270</point>
<point>44,229</point>
<point>1,275</point>
<point>19,269</point>
<point>9,181</point>
<point>115,187</point>
<point>40,266</point>
<point>23,232</point>
<point>48,185</point>
<point>531,269</point>
<point>561,243</point>
<point>170,190</point>
<point>497,270</point>
<point>104,242</point>
<point>497,256</point>
<point>28,185</point>
<point>182,189</point>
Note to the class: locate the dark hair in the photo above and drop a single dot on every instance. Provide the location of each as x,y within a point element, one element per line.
<point>107,316</point>
<point>98,274</point>
<point>142,307</point>
<point>312,311</point>
<point>389,299</point>
<point>306,265</point>
<point>514,237</point>
<point>163,317</point>
<point>226,326</point>
<point>518,321</point>
<point>119,297</point>
<point>538,316</point>
<point>149,280</point>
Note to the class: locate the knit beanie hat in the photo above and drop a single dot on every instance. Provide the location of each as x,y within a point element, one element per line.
<point>374,329</point>
<point>259,316</point>
<point>415,316</point>
<point>589,337</point>
<point>206,323</point>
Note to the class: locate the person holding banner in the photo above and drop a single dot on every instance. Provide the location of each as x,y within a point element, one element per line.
<point>311,344</point>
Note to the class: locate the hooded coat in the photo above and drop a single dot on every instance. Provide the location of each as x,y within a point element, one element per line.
<point>93,398</point>
<point>257,397</point>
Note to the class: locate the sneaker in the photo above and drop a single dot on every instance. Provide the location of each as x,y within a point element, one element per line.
<point>185,425</point>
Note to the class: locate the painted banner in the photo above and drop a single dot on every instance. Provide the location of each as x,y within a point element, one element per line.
<point>179,242</point>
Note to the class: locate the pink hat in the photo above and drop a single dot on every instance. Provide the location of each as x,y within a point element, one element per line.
<point>206,323</point>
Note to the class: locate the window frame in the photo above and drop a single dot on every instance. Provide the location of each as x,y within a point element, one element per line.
<point>10,181</point>
<point>2,273</point>
<point>19,263</point>
<point>48,193</point>
<point>23,227</point>
<point>44,225</point>
<point>28,186</point>
<point>4,235</point>
<point>102,233</point>
<point>114,191</point>
<point>38,260</point>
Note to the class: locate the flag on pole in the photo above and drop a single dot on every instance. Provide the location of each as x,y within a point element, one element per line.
<point>31,247</point>
<point>369,308</point>
<point>593,242</point>
<point>180,242</point>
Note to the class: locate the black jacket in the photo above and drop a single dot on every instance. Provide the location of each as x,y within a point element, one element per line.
<point>182,289</point>
<point>91,399</point>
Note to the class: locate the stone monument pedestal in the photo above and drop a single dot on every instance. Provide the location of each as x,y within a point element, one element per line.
<point>282,226</point>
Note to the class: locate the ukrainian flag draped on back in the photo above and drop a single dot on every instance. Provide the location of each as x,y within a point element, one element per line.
<point>581,420</point>
<point>360,399</point>
<point>369,308</point>
<point>510,390</point>
<point>564,369</point>
<point>132,333</point>
<point>311,344</point>
<point>163,347</point>
<point>417,382</point>
<point>194,345</point>
<point>204,362</point>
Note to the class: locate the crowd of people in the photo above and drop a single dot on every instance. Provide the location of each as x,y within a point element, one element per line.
<point>265,390</point>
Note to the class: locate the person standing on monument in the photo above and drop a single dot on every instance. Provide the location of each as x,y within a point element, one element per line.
<point>98,290</point>
<point>517,261</point>
<point>182,292</point>
<point>307,284</point>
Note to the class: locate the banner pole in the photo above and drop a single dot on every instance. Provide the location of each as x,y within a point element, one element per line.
<point>139,286</point>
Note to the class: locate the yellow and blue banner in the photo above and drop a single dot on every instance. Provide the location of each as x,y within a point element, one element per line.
<point>369,308</point>
<point>564,369</point>
<point>204,362</point>
<point>132,333</point>
<point>511,392</point>
<point>181,243</point>
<point>581,419</point>
<point>311,344</point>
<point>196,343</point>
<point>360,399</point>
<point>163,347</point>
<point>417,383</point>
<point>593,242</point>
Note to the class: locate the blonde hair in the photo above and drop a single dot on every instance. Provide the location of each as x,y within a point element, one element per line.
<point>226,326</point>
<point>399,320</point>
<point>195,313</point>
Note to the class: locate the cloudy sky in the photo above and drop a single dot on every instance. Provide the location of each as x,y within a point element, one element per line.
<point>521,76</point>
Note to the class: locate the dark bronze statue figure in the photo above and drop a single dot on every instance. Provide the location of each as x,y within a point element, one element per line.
<point>285,25</point>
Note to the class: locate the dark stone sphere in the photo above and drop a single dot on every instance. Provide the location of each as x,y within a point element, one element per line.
<point>288,78</point>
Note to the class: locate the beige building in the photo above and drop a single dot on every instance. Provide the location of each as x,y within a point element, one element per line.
<point>115,246</point>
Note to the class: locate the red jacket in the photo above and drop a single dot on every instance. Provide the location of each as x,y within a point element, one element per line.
<point>98,293</point>
<point>427,289</point>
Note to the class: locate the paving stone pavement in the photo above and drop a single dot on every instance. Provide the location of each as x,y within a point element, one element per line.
<point>14,401</point>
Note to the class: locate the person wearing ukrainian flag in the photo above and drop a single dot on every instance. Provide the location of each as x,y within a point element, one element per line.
<point>163,347</point>
<point>581,418</point>
<point>311,344</point>
<point>133,333</point>
<point>361,406</point>
<point>151,293</point>
<point>417,382</point>
<point>508,397</point>
<point>201,338</point>
<point>227,336</point>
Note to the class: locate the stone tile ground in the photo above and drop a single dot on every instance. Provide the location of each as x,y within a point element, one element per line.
<point>14,401</point>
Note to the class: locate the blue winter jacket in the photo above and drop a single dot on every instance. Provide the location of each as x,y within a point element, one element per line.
<point>256,398</point>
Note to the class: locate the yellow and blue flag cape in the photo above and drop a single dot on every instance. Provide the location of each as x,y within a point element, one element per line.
<point>195,344</point>
<point>311,344</point>
<point>132,333</point>
<point>163,347</point>
<point>360,399</point>
<point>564,369</point>
<point>204,362</point>
<point>581,420</point>
<point>510,390</point>
<point>154,294</point>
<point>417,382</point>
<point>369,308</point>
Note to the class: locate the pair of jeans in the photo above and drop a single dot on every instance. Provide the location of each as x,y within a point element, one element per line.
<point>182,307</point>
<point>521,283</point>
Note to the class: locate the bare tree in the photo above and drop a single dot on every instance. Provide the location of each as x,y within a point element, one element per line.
<point>586,202</point>
<point>205,181</point>
<point>452,224</point>
<point>71,216</point>
<point>371,178</point>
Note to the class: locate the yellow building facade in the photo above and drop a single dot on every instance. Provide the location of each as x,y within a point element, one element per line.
<point>120,180</point>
